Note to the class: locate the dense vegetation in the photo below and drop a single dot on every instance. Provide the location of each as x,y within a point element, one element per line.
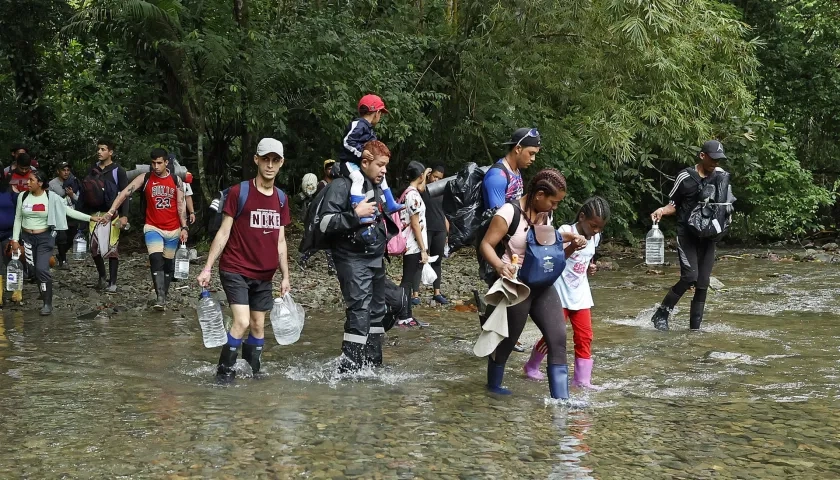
<point>622,90</point>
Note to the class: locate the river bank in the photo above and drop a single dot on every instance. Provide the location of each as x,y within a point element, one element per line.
<point>315,289</point>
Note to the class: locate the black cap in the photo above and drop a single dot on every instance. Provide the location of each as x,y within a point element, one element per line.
<point>525,137</point>
<point>714,149</point>
<point>62,165</point>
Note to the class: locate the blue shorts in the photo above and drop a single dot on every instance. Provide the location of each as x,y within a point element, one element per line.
<point>161,241</point>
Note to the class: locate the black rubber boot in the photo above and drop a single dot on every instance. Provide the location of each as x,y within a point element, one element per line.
<point>159,279</point>
<point>696,316</point>
<point>252,354</point>
<point>46,294</point>
<point>352,357</point>
<point>373,349</point>
<point>663,312</point>
<point>225,372</point>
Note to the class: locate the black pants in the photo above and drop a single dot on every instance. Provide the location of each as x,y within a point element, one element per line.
<point>64,241</point>
<point>697,257</point>
<point>411,271</point>
<point>546,310</point>
<point>38,249</point>
<point>437,243</point>
<point>362,282</point>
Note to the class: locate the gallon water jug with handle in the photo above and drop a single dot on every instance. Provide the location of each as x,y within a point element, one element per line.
<point>14,274</point>
<point>210,318</point>
<point>182,263</point>
<point>79,246</point>
<point>655,246</point>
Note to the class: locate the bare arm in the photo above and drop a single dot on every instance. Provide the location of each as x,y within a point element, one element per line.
<point>657,214</point>
<point>418,232</point>
<point>282,251</point>
<point>497,230</point>
<point>132,187</point>
<point>219,242</point>
<point>182,206</point>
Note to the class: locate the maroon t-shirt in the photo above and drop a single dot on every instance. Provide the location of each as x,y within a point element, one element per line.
<point>251,249</point>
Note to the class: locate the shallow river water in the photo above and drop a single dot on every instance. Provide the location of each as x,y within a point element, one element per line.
<point>755,395</point>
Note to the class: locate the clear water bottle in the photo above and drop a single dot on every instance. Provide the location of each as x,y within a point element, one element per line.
<point>14,274</point>
<point>182,263</point>
<point>211,320</point>
<point>655,246</point>
<point>79,246</point>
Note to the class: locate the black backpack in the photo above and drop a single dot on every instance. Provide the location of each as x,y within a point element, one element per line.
<point>97,193</point>
<point>313,239</point>
<point>463,205</point>
<point>485,270</point>
<point>712,215</point>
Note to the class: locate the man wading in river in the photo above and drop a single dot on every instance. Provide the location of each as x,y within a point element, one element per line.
<point>252,244</point>
<point>358,251</point>
<point>166,220</point>
<point>696,249</point>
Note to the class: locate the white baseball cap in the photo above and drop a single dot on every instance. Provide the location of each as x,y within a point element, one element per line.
<point>269,145</point>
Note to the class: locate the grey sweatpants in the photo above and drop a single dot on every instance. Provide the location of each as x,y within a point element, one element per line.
<point>38,250</point>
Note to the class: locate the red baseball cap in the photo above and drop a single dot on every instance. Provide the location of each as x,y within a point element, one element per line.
<point>373,103</point>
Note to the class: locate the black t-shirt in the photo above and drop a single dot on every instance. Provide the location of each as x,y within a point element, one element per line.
<point>685,195</point>
<point>435,220</point>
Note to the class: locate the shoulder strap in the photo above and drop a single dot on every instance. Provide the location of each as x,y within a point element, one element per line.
<point>23,197</point>
<point>244,189</point>
<point>114,172</point>
<point>501,166</point>
<point>281,195</point>
<point>517,216</point>
<point>146,180</point>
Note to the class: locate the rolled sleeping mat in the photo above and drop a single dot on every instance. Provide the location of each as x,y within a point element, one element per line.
<point>180,171</point>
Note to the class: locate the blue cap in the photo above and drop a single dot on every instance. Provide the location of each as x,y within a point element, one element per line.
<point>205,293</point>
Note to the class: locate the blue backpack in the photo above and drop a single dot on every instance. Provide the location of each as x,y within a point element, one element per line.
<point>544,256</point>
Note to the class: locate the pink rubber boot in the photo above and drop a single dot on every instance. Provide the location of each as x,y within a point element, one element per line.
<point>583,374</point>
<point>532,366</point>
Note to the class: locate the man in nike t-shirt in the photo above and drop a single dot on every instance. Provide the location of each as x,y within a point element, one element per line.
<point>252,244</point>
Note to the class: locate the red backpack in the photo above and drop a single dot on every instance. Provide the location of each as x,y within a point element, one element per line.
<point>397,244</point>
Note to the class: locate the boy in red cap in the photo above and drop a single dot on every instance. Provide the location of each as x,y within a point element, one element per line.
<point>358,133</point>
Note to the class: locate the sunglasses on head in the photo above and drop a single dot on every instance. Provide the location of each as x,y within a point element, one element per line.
<point>531,133</point>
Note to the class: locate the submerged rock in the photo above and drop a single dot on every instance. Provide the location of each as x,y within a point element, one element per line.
<point>716,284</point>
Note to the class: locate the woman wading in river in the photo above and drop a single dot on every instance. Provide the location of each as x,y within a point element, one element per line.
<point>704,186</point>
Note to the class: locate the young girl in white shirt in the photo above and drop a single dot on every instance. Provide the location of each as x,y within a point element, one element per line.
<point>575,295</point>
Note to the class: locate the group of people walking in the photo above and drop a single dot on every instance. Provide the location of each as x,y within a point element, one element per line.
<point>353,222</point>
<point>44,213</point>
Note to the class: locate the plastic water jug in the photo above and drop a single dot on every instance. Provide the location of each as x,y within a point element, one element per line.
<point>79,246</point>
<point>655,246</point>
<point>182,263</point>
<point>14,274</point>
<point>211,320</point>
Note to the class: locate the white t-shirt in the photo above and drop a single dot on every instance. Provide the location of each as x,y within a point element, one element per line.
<point>414,206</point>
<point>573,285</point>
<point>187,189</point>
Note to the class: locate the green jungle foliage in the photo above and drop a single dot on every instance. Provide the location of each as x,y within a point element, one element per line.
<point>623,91</point>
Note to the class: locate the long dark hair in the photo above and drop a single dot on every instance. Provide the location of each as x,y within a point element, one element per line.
<point>549,181</point>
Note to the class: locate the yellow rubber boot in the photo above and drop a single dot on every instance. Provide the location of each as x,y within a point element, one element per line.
<point>2,290</point>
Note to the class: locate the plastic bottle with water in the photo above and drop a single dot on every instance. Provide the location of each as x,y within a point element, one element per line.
<point>211,320</point>
<point>14,274</point>
<point>79,246</point>
<point>655,246</point>
<point>182,263</point>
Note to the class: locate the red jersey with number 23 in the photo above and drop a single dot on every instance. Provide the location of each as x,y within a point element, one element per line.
<point>162,203</point>
<point>251,250</point>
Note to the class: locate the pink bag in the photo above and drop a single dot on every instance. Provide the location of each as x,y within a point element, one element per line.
<point>398,244</point>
